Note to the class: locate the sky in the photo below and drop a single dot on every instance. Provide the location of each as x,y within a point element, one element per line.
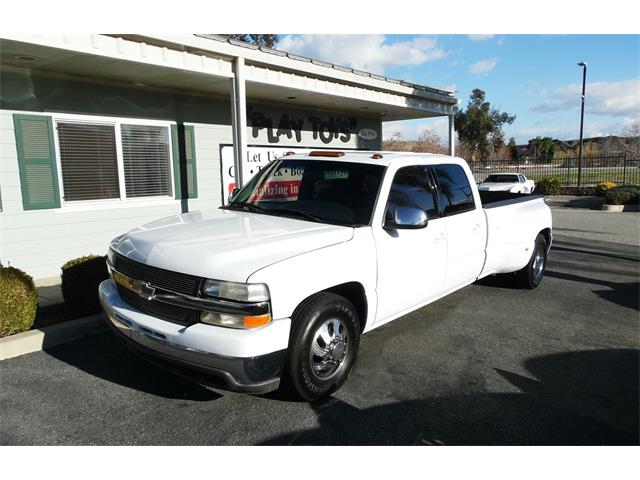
<point>535,77</point>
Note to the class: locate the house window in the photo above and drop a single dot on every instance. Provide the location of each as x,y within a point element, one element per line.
<point>88,161</point>
<point>104,160</point>
<point>145,152</point>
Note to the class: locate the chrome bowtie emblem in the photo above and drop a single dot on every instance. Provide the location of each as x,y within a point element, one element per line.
<point>142,288</point>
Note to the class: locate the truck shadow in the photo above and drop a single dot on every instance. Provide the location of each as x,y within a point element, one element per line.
<point>574,398</point>
<point>624,294</point>
<point>104,356</point>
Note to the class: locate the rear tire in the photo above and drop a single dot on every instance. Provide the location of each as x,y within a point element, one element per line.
<point>323,346</point>
<point>532,274</point>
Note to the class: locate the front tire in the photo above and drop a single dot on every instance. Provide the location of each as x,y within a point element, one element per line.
<point>323,346</point>
<point>531,275</point>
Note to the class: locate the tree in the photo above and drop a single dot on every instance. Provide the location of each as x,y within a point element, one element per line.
<point>396,142</point>
<point>397,136</point>
<point>480,126</point>
<point>261,39</point>
<point>429,142</point>
<point>542,148</point>
<point>632,144</point>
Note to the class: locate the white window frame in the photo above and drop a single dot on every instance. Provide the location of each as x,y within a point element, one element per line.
<point>123,201</point>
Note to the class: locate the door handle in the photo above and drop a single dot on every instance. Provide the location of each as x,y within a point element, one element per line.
<point>475,228</point>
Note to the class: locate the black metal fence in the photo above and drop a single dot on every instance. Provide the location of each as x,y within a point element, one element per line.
<point>620,169</point>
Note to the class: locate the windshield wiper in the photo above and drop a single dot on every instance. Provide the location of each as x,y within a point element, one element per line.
<point>252,207</point>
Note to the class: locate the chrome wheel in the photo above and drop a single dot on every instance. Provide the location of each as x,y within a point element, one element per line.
<point>329,348</point>
<point>538,262</point>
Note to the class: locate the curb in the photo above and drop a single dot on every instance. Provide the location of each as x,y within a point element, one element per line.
<point>47,337</point>
<point>620,208</point>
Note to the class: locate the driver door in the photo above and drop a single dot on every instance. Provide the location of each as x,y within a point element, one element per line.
<point>411,263</point>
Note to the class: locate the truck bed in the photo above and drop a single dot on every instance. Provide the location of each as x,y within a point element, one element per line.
<point>500,199</point>
<point>513,222</point>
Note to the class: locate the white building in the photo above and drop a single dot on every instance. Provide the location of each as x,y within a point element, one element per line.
<point>101,133</point>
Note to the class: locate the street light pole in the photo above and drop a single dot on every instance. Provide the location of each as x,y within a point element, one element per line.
<point>582,64</point>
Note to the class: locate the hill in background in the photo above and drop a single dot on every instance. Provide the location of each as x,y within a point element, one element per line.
<point>610,145</point>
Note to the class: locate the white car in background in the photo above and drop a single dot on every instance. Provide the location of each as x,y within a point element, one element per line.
<point>507,182</point>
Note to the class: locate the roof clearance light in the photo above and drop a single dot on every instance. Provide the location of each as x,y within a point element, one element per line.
<point>323,153</point>
<point>289,153</point>
<point>376,156</point>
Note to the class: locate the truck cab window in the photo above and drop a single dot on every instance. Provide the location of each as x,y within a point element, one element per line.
<point>411,188</point>
<point>456,195</point>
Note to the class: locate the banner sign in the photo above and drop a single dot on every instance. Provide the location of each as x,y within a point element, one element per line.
<point>257,158</point>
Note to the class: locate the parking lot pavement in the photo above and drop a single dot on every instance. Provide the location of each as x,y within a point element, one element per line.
<point>487,365</point>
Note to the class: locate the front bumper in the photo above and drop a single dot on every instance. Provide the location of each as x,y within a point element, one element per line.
<point>190,351</point>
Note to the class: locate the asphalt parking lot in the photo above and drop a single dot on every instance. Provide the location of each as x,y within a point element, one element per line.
<point>487,365</point>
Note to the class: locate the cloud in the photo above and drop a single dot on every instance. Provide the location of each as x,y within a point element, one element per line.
<point>480,37</point>
<point>411,129</point>
<point>618,99</point>
<point>371,53</point>
<point>483,67</point>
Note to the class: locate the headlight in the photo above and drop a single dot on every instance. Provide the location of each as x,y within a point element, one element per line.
<point>241,292</point>
<point>235,321</point>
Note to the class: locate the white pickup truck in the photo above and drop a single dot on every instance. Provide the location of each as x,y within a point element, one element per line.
<point>278,285</point>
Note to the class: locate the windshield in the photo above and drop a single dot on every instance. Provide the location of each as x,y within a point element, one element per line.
<point>501,179</point>
<point>334,192</point>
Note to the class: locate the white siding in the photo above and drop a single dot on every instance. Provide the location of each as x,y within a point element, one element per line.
<point>41,241</point>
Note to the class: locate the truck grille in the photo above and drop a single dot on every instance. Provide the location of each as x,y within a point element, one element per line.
<point>162,279</point>
<point>158,277</point>
<point>161,310</point>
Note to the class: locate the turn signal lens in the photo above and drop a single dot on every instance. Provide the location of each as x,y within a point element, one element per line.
<point>256,321</point>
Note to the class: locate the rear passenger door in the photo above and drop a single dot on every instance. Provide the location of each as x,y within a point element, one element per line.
<point>465,225</point>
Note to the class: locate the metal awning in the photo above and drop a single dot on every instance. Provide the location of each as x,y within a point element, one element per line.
<point>202,65</point>
<point>214,65</point>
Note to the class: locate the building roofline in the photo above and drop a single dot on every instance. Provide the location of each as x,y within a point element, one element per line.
<point>282,53</point>
<point>226,46</point>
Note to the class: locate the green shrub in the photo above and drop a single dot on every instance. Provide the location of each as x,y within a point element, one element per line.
<point>18,301</point>
<point>604,187</point>
<point>80,280</point>
<point>548,186</point>
<point>623,196</point>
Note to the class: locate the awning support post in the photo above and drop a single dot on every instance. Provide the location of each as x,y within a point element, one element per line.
<point>239,120</point>
<point>452,136</point>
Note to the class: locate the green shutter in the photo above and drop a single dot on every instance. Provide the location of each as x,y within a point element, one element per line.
<point>190,151</point>
<point>37,161</point>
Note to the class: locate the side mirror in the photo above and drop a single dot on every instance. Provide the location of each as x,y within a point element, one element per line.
<point>233,193</point>
<point>409,218</point>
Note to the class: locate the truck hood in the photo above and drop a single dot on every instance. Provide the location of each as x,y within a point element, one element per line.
<point>224,244</point>
<point>496,187</point>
